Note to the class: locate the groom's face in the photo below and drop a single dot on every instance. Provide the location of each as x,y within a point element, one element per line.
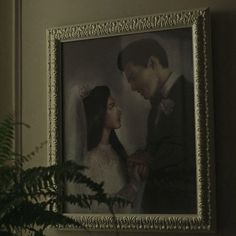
<point>141,79</point>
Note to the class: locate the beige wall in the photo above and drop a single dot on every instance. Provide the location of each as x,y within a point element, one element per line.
<point>39,15</point>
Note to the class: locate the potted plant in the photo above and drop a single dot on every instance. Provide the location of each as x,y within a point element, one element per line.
<point>29,196</point>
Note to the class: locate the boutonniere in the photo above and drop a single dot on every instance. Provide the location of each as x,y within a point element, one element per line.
<point>167,106</point>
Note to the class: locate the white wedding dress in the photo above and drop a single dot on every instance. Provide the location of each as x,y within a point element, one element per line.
<point>104,165</point>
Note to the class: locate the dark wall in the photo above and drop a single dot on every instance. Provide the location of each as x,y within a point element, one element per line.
<point>224,75</point>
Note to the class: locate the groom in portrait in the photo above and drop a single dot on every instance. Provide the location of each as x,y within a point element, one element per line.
<point>168,162</point>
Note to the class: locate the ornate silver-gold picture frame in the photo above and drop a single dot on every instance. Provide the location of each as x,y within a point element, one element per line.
<point>153,142</point>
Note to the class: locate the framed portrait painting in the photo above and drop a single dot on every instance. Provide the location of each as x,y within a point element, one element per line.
<point>131,99</point>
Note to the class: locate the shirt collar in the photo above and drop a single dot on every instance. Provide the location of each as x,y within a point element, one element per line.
<point>165,89</point>
<point>169,84</point>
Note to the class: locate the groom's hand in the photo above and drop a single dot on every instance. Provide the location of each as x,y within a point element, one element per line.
<point>140,161</point>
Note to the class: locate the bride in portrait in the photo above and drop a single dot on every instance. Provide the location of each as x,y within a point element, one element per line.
<point>106,157</point>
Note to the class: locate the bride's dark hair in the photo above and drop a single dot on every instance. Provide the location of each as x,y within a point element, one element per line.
<point>95,105</point>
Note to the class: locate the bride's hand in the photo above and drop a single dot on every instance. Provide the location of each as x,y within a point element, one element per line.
<point>136,173</point>
<point>139,164</point>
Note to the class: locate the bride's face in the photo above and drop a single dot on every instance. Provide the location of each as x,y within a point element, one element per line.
<point>113,115</point>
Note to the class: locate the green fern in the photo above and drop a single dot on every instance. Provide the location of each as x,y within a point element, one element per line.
<point>29,197</point>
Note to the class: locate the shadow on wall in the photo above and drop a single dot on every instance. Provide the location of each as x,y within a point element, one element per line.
<point>224,78</point>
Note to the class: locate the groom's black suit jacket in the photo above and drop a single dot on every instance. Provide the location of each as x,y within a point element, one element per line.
<point>171,184</point>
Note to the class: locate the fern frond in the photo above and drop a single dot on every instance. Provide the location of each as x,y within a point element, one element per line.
<point>29,196</point>
<point>32,215</point>
<point>6,142</point>
<point>38,178</point>
<point>71,172</point>
<point>6,233</point>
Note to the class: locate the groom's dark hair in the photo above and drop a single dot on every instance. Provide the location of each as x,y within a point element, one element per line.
<point>139,52</point>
